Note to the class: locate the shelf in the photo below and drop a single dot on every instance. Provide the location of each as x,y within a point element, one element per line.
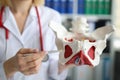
<point>89,17</point>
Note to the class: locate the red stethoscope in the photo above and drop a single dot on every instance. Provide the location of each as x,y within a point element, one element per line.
<point>40,30</point>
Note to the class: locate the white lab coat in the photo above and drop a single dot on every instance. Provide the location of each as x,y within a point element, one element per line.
<point>30,39</point>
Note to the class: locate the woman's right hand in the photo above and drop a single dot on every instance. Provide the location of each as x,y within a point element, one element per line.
<point>27,61</point>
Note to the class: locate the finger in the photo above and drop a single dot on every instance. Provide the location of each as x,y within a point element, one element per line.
<point>27,66</point>
<point>34,63</point>
<point>26,72</point>
<point>34,69</point>
<point>34,56</point>
<point>31,57</point>
<point>27,50</point>
<point>21,61</point>
<point>23,68</point>
<point>33,66</point>
<point>30,71</point>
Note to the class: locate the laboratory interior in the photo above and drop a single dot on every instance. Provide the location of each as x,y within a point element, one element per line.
<point>98,13</point>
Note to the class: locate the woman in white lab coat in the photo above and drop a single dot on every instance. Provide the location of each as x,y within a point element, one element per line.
<point>25,39</point>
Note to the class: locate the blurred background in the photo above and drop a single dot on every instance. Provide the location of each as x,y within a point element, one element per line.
<point>98,13</point>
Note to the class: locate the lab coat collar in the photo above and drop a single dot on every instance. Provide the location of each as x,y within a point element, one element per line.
<point>10,23</point>
<point>33,12</point>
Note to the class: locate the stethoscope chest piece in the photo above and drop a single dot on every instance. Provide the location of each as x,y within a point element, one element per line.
<point>45,58</point>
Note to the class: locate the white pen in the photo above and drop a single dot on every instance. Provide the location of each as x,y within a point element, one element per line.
<point>53,51</point>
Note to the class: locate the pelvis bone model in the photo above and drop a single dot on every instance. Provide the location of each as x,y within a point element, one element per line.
<point>80,47</point>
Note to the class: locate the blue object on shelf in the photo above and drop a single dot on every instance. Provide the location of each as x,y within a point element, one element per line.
<point>56,5</point>
<point>63,6</point>
<point>69,4</point>
<point>81,6</point>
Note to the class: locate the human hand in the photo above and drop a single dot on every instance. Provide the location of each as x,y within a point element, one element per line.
<point>27,61</point>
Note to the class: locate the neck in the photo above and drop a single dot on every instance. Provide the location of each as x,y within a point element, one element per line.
<point>21,6</point>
